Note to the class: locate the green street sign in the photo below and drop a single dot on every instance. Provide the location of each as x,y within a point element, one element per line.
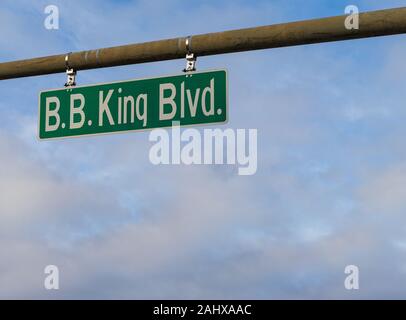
<point>191,98</point>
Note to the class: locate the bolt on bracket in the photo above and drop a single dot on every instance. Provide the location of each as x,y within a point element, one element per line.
<point>190,56</point>
<point>70,73</point>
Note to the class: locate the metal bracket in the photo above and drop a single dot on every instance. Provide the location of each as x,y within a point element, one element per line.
<point>70,72</point>
<point>190,56</point>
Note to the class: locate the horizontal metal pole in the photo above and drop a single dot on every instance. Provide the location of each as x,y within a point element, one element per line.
<point>372,24</point>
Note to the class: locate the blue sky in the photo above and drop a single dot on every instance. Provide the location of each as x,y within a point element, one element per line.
<point>329,190</point>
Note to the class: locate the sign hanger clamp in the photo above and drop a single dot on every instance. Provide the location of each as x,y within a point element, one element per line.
<point>70,73</point>
<point>190,56</point>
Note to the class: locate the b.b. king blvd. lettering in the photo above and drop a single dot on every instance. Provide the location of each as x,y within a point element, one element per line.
<point>191,99</point>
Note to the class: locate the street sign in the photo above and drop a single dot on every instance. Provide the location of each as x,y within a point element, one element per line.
<point>191,98</point>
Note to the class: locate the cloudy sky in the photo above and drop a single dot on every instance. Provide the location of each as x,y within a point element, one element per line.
<point>330,189</point>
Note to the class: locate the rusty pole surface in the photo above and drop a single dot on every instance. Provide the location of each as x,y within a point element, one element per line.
<point>371,24</point>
